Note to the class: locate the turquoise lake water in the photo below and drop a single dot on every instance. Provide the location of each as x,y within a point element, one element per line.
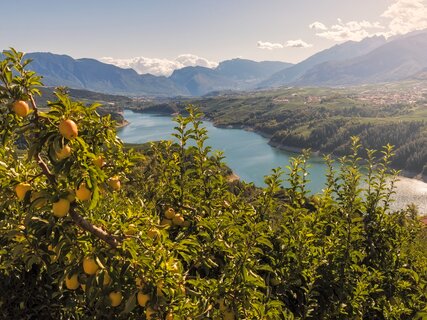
<point>246,153</point>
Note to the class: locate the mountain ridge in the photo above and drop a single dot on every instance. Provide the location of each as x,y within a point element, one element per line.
<point>371,60</point>
<point>94,75</point>
<point>344,51</point>
<point>395,60</point>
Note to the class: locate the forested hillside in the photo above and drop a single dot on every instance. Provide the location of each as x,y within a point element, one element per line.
<point>324,119</point>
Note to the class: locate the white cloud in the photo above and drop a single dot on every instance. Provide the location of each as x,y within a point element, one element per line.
<point>158,66</point>
<point>317,26</point>
<point>269,45</point>
<point>290,44</point>
<point>352,30</point>
<point>401,17</point>
<point>193,60</point>
<point>406,16</point>
<point>298,44</point>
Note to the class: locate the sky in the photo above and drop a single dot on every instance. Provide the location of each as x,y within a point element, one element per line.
<point>158,36</point>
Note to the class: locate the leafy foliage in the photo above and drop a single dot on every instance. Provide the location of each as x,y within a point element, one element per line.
<point>177,240</point>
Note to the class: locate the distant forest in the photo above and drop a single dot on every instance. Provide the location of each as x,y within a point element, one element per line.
<point>333,136</point>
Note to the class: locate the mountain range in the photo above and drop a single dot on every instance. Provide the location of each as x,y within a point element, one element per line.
<point>93,75</point>
<point>393,61</point>
<point>340,52</point>
<point>372,60</point>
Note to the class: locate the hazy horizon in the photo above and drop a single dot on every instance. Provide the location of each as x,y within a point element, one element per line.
<point>159,37</point>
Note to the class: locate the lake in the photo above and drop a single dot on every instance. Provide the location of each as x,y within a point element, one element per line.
<point>249,155</point>
<point>246,153</point>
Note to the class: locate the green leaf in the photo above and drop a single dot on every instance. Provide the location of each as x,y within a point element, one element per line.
<point>130,304</point>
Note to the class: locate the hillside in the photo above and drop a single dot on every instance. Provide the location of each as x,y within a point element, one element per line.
<point>110,104</point>
<point>324,119</point>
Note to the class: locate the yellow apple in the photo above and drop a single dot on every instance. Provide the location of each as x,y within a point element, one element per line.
<point>166,222</point>
<point>169,316</point>
<point>21,190</point>
<point>116,298</point>
<point>72,283</point>
<point>90,266</point>
<point>21,108</point>
<point>170,213</point>
<point>178,220</point>
<point>99,161</point>
<point>153,233</point>
<point>142,298</point>
<point>68,129</point>
<point>83,193</point>
<point>149,313</point>
<point>114,183</point>
<point>61,208</point>
<point>64,153</point>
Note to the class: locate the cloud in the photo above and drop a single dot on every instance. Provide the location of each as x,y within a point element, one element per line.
<point>298,44</point>
<point>352,30</point>
<point>317,26</point>
<point>269,45</point>
<point>289,44</point>
<point>406,16</point>
<point>402,16</point>
<point>158,66</point>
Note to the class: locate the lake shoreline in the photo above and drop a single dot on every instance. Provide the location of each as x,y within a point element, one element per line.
<point>405,181</point>
<point>122,124</point>
<point>403,173</point>
<point>296,150</point>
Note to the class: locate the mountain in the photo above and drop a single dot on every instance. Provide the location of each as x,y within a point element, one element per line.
<point>396,60</point>
<point>198,80</point>
<point>371,60</point>
<point>249,72</point>
<point>339,52</point>
<point>235,74</point>
<point>91,74</point>
<point>420,75</point>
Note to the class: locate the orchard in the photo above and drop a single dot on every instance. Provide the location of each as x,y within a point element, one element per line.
<point>92,230</point>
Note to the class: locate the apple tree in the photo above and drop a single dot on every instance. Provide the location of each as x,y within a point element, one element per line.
<point>92,230</point>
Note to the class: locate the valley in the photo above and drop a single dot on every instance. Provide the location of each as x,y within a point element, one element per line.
<point>375,89</point>
<point>324,119</point>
